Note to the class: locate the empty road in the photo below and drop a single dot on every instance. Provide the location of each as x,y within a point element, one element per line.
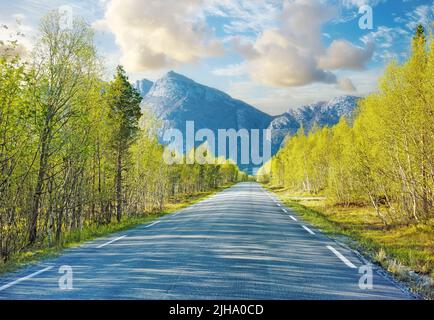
<point>241,243</point>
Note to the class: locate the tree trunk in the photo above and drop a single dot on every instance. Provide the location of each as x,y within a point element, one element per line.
<point>33,227</point>
<point>119,185</point>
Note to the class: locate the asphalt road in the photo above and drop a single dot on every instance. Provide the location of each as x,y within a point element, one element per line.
<point>240,243</point>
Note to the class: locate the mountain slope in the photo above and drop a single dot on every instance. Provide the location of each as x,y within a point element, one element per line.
<point>143,86</point>
<point>324,113</point>
<point>176,99</point>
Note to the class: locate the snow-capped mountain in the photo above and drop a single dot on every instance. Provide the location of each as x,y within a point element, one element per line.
<point>143,86</point>
<point>324,113</point>
<point>176,99</point>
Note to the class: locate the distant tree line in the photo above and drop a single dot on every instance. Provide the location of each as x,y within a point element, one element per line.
<point>75,150</point>
<point>383,157</point>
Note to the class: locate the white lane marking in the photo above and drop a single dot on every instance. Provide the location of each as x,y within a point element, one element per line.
<point>278,204</point>
<point>111,241</point>
<point>308,230</point>
<point>340,256</point>
<point>10,284</point>
<point>284,210</point>
<point>152,224</point>
<point>293,218</point>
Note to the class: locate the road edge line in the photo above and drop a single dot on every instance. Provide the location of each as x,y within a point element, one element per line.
<point>10,284</point>
<point>111,241</point>
<point>342,257</point>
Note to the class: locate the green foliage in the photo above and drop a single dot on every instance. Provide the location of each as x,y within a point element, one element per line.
<point>124,102</point>
<point>385,158</point>
<point>76,153</point>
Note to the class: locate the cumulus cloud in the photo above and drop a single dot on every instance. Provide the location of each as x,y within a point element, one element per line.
<point>346,84</point>
<point>279,63</point>
<point>294,55</point>
<point>342,54</point>
<point>157,34</point>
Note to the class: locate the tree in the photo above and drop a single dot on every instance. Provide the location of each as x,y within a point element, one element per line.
<point>386,157</point>
<point>16,145</point>
<point>62,62</point>
<point>124,102</point>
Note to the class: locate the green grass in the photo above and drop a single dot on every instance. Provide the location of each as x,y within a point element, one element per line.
<point>398,249</point>
<point>75,238</point>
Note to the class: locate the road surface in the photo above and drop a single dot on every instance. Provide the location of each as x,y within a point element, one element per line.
<point>241,243</point>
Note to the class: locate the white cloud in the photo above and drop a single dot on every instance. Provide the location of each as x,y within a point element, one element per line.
<point>360,3</point>
<point>158,34</point>
<point>238,69</point>
<point>244,16</point>
<point>281,64</point>
<point>384,37</point>
<point>294,55</point>
<point>421,15</point>
<point>276,100</point>
<point>16,28</point>
<point>385,40</point>
<point>343,55</point>
<point>346,84</point>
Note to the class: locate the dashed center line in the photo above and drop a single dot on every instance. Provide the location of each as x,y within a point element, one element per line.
<point>308,230</point>
<point>293,218</point>
<point>111,241</point>
<point>152,224</point>
<point>10,284</point>
<point>340,256</point>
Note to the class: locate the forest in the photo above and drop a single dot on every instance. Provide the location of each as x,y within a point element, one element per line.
<point>382,157</point>
<point>75,150</point>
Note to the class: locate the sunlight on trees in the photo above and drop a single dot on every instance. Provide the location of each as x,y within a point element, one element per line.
<point>76,151</point>
<point>384,157</point>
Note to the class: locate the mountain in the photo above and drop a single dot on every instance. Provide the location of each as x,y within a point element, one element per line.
<point>143,86</point>
<point>324,113</point>
<point>176,99</point>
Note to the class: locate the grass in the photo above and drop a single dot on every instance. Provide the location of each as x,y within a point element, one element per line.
<point>407,251</point>
<point>75,238</point>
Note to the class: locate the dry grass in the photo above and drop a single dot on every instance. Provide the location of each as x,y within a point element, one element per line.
<point>411,245</point>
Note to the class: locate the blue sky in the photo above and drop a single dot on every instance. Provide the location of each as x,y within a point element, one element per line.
<point>273,54</point>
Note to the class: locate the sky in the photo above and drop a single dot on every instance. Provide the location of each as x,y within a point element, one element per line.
<point>273,54</point>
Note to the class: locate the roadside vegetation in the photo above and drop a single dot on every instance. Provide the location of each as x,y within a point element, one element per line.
<point>375,172</point>
<point>93,231</point>
<point>406,251</point>
<point>78,158</point>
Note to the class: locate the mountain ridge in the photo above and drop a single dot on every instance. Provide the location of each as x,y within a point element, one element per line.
<point>175,99</point>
